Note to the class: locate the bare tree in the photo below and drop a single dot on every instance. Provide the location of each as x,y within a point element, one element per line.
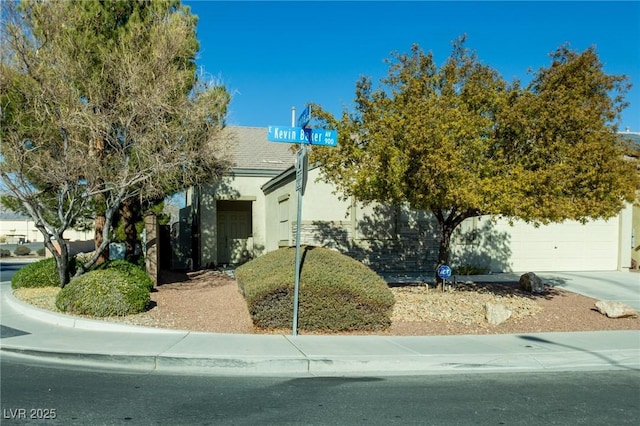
<point>112,121</point>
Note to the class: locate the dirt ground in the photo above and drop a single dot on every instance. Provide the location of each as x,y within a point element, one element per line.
<point>209,301</point>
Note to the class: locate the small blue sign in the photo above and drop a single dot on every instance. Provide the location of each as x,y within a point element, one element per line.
<point>305,117</point>
<point>444,272</point>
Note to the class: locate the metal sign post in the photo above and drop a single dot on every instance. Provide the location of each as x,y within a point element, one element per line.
<point>299,133</point>
<point>301,178</point>
<point>444,272</point>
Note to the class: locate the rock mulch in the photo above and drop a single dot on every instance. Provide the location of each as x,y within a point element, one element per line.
<point>209,301</point>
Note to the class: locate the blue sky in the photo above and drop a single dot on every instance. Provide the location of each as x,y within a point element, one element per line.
<point>275,55</point>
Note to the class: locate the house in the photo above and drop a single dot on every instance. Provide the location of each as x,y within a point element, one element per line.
<point>254,211</point>
<point>225,222</point>
<point>16,228</point>
<point>633,138</point>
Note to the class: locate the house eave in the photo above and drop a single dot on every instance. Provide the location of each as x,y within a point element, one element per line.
<point>247,172</point>
<point>280,180</point>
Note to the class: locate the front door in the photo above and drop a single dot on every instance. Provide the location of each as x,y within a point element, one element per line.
<point>234,230</point>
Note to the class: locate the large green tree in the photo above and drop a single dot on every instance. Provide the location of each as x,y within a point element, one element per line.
<point>460,141</point>
<point>101,104</point>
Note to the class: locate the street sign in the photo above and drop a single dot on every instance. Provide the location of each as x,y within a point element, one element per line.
<point>286,134</point>
<point>305,117</point>
<point>322,137</point>
<point>444,272</point>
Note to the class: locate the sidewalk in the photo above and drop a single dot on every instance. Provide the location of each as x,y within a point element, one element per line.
<point>31,333</point>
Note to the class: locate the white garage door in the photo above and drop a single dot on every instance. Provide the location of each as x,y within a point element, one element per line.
<point>569,246</point>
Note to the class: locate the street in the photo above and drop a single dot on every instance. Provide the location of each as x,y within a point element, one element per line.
<point>8,269</point>
<point>41,394</point>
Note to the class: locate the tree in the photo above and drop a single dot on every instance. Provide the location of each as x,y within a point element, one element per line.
<point>103,104</point>
<point>459,141</point>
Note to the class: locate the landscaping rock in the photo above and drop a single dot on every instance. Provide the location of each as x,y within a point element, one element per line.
<point>615,309</point>
<point>531,282</point>
<point>496,313</point>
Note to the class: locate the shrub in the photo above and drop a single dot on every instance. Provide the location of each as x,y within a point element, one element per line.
<point>5,253</point>
<point>104,292</point>
<point>42,273</point>
<point>41,251</point>
<point>22,250</point>
<point>134,272</point>
<point>468,269</point>
<point>336,293</point>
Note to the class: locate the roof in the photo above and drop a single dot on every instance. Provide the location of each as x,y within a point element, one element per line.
<point>632,137</point>
<point>253,153</point>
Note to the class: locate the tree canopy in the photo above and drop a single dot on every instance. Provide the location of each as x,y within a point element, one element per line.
<point>460,141</point>
<point>103,98</point>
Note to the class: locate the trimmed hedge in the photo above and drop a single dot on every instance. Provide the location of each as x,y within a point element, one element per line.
<point>134,272</point>
<point>43,273</point>
<point>337,293</point>
<point>22,250</point>
<point>103,292</point>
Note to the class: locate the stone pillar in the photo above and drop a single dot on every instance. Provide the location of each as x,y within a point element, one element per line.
<point>152,246</point>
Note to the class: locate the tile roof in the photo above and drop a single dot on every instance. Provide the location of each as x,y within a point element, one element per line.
<point>253,151</point>
<point>632,137</point>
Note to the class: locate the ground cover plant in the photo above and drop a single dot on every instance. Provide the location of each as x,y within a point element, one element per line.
<point>337,293</point>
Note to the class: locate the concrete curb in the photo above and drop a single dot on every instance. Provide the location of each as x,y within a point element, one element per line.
<point>36,335</point>
<point>64,320</point>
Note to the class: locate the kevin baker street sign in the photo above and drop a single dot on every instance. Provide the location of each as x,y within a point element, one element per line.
<point>304,136</point>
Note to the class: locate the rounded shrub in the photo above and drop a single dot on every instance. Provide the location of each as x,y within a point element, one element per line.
<point>102,293</point>
<point>337,293</point>
<point>22,250</point>
<point>134,272</point>
<point>5,253</point>
<point>43,273</point>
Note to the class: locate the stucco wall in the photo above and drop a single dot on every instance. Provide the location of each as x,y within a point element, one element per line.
<point>241,188</point>
<point>390,238</point>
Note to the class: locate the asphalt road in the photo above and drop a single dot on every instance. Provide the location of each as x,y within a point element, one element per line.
<point>41,394</point>
<point>7,269</point>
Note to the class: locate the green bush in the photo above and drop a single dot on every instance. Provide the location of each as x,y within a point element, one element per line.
<point>22,250</point>
<point>41,251</point>
<point>336,293</point>
<point>134,272</point>
<point>468,269</point>
<point>104,292</point>
<point>5,253</point>
<point>42,273</point>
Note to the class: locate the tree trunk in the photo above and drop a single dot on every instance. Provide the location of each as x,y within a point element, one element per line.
<point>128,215</point>
<point>444,249</point>
<point>60,253</point>
<point>448,222</point>
<point>99,227</point>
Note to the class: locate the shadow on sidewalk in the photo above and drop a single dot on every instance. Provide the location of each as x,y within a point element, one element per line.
<point>595,354</point>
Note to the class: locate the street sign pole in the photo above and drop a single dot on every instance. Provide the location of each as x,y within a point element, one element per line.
<point>300,168</point>
<point>299,133</point>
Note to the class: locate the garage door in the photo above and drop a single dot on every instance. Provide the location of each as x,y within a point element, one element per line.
<point>569,246</point>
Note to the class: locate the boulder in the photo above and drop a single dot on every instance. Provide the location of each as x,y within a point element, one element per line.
<point>615,309</point>
<point>496,313</point>
<point>531,282</point>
